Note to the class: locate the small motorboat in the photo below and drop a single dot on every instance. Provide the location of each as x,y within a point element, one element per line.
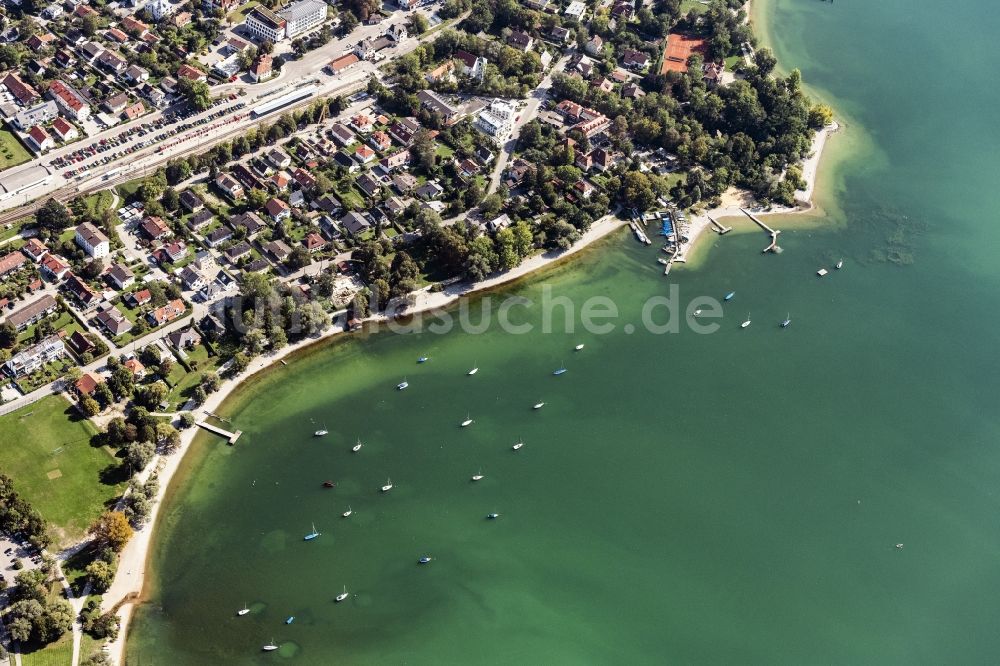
<point>518,445</point>
<point>492,516</point>
<point>312,535</point>
<point>840,264</point>
<point>320,433</point>
<point>329,484</point>
<point>697,313</point>
<point>243,611</point>
<point>478,476</point>
<point>788,320</point>
<point>423,359</point>
<point>290,619</point>
<point>424,560</point>
<point>356,447</point>
<point>270,647</point>
<point>821,272</point>
<point>899,546</point>
<point>467,422</point>
<point>347,514</point>
<point>388,486</point>
<point>473,371</point>
<point>729,296</point>
<point>578,348</point>
<point>538,405</point>
<point>403,385</point>
<point>559,371</point>
<point>342,595</point>
<point>747,322</point>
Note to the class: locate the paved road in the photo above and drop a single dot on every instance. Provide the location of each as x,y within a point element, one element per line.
<point>528,113</point>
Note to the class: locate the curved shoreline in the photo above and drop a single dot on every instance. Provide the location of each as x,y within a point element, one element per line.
<point>129,583</point>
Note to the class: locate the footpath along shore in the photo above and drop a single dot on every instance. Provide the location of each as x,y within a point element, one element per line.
<point>131,575</point>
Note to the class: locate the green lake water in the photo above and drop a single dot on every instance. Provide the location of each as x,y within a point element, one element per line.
<point>727,498</point>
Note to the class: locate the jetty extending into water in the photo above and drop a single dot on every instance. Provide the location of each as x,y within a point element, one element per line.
<point>717,226</point>
<point>231,437</point>
<point>773,247</point>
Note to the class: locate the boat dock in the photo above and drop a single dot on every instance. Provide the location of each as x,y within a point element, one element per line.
<point>773,247</point>
<point>718,227</point>
<point>231,437</point>
<point>639,233</point>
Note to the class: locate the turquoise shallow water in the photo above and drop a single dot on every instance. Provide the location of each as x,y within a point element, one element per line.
<point>724,498</point>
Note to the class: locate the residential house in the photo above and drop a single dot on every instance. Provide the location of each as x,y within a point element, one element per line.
<point>623,10</point>
<point>278,250</point>
<point>90,52</point>
<point>279,158</point>
<point>368,185</point>
<point>121,276</point>
<point>277,209</point>
<point>136,74</point>
<point>250,221</point>
<point>134,111</point>
<point>313,242</point>
<point>113,62</point>
<point>355,223</point>
<point>191,279</point>
<point>594,45</point>
<point>470,65</point>
<point>53,267</point>
<point>499,223</point>
<point>86,385</point>
<point>602,159</point>
<point>138,298</point>
<point>634,60</point>
<point>92,240</point>
<point>404,183</point>
<point>167,313</point>
<point>80,290</point>
<point>236,252</point>
<point>80,343</point>
<point>632,90</point>
<point>136,367</point>
<point>280,180</point>
<point>35,357</point>
<point>364,154</point>
<point>69,100</point>
<point>403,130</point>
<point>229,185</point>
<point>182,19</point>
<point>559,35</point>
<point>23,92</point>
<point>380,141</point>
<point>584,188</point>
<point>113,321</point>
<point>116,35</point>
<point>134,26</point>
<point>190,73</point>
<point>443,72</point>
<point>575,10</point>
<point>341,135</point>
<point>154,228</point>
<point>40,140</point>
<point>261,68</point>
<point>520,40</point>
<point>361,123</point>
<point>35,249</point>
<point>32,313</point>
<point>219,236</point>
<point>64,130</point>
<point>116,103</point>
<point>185,338</point>
<point>191,201</point>
<point>429,190</point>
<point>602,84</point>
<point>204,261</point>
<point>304,179</point>
<point>396,160</point>
<point>496,120</point>
<point>173,251</point>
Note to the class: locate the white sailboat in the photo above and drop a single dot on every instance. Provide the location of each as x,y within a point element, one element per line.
<point>342,595</point>
<point>467,422</point>
<point>312,535</point>
<point>473,371</point>
<point>518,445</point>
<point>270,647</point>
<point>321,432</point>
<point>478,476</point>
<point>747,322</point>
<point>347,513</point>
<point>356,447</point>
<point>388,485</point>
<point>493,516</point>
<point>539,405</point>
<point>403,385</point>
<point>243,611</point>
<point>840,264</point>
<point>788,320</point>
<point>578,347</point>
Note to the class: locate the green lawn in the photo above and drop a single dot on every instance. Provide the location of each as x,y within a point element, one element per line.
<point>444,150</point>
<point>59,653</point>
<point>732,61</point>
<point>45,448</point>
<point>96,204</point>
<point>688,5</point>
<point>201,363</point>
<point>12,152</point>
<point>240,14</point>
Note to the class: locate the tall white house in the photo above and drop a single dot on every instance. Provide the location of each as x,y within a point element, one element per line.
<point>497,120</point>
<point>303,16</point>
<point>92,240</point>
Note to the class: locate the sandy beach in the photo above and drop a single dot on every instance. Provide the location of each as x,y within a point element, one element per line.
<point>130,578</point>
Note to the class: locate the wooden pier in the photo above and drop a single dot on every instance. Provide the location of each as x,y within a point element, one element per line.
<point>718,227</point>
<point>773,247</point>
<point>231,437</point>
